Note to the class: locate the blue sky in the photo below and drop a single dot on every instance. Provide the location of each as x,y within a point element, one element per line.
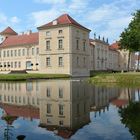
<point>107,18</point>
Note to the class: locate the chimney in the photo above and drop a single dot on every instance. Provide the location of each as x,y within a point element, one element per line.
<point>29,32</point>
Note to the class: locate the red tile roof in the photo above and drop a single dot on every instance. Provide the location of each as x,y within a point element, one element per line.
<point>62,20</point>
<point>21,111</point>
<point>24,39</point>
<point>120,102</point>
<point>8,31</point>
<point>115,46</point>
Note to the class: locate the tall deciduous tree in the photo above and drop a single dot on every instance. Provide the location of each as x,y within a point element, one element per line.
<point>130,37</point>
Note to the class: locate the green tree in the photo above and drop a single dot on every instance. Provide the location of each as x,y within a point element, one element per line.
<point>130,37</point>
<point>130,116</point>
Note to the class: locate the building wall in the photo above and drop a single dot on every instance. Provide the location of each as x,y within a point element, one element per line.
<point>69,53</point>
<point>17,56</point>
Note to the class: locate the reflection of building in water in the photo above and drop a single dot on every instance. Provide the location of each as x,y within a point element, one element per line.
<point>62,106</point>
<point>101,96</point>
<point>125,96</point>
<point>20,99</point>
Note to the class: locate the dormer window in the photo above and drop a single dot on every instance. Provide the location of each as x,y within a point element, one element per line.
<point>60,31</point>
<point>55,22</point>
<point>48,33</point>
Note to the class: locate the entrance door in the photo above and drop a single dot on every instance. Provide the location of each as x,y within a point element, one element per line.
<point>28,65</point>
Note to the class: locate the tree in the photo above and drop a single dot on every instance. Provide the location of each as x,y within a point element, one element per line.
<point>130,116</point>
<point>130,37</point>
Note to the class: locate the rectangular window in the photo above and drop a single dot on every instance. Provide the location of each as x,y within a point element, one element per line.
<point>48,33</point>
<point>48,92</point>
<point>60,31</point>
<point>19,64</point>
<point>11,64</point>
<point>15,64</point>
<point>11,53</point>
<point>27,51</point>
<point>23,52</point>
<point>19,53</point>
<point>48,63</point>
<point>60,92</point>
<point>4,54</point>
<point>48,45</point>
<point>77,61</point>
<point>15,52</point>
<point>37,50</point>
<point>7,53</point>
<point>61,109</point>
<point>77,44</point>
<point>84,45</point>
<point>60,61</point>
<point>84,59</point>
<point>60,44</point>
<point>33,51</point>
<point>48,108</point>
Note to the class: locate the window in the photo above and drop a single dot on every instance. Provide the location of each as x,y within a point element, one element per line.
<point>77,44</point>
<point>61,109</point>
<point>15,52</point>
<point>61,122</point>
<point>60,44</point>
<point>48,45</point>
<point>11,53</point>
<point>60,31</point>
<point>48,108</point>
<point>19,64</point>
<point>7,53</point>
<point>37,50</point>
<point>27,51</point>
<point>48,33</point>
<point>23,52</point>
<point>48,63</point>
<point>15,64</point>
<point>19,53</point>
<point>60,63</point>
<point>48,92</point>
<point>4,54</point>
<point>60,92</point>
<point>84,59</point>
<point>84,45</point>
<point>33,51</point>
<point>77,61</point>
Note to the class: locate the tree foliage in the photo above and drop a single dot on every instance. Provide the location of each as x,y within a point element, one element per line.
<point>130,37</point>
<point>131,118</point>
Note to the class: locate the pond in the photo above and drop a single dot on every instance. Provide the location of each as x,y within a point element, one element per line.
<point>65,109</point>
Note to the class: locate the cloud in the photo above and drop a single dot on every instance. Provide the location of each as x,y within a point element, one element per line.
<point>3,18</point>
<point>51,1</point>
<point>43,17</point>
<point>15,20</point>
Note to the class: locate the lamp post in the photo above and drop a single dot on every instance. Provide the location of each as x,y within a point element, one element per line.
<point>36,66</point>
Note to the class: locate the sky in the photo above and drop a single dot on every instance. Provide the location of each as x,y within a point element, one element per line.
<point>106,18</point>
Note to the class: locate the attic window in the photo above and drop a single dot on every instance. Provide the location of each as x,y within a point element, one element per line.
<point>55,22</point>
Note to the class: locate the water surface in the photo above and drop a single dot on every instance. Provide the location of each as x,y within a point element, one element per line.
<point>63,109</point>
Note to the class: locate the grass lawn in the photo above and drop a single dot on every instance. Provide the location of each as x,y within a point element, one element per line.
<point>22,77</point>
<point>122,79</point>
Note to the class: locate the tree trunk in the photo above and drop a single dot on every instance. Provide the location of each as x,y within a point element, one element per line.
<point>138,61</point>
<point>129,56</point>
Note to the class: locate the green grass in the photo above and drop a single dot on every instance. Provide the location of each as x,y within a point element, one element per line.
<point>122,79</point>
<point>23,77</point>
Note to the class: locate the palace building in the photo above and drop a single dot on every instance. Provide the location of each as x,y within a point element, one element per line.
<point>61,46</point>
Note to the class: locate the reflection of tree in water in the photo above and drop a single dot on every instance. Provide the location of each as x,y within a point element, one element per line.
<point>131,118</point>
<point>8,130</point>
<point>9,127</point>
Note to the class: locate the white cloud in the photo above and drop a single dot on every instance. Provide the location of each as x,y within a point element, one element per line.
<point>3,18</point>
<point>51,1</point>
<point>43,17</point>
<point>15,20</point>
